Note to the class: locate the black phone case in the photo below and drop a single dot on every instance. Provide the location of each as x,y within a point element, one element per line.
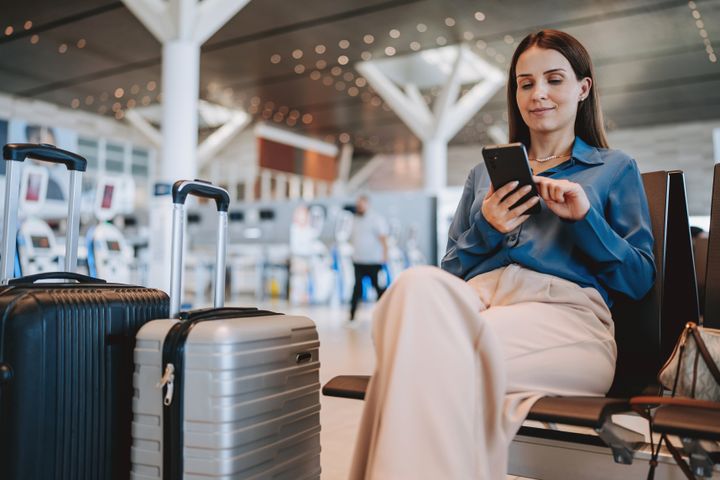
<point>508,163</point>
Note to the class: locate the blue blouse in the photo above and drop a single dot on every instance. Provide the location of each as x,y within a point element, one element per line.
<point>611,249</point>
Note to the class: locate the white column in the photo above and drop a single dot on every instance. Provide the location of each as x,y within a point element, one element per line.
<point>295,187</point>
<point>434,154</point>
<point>265,185</point>
<point>281,186</point>
<point>180,82</point>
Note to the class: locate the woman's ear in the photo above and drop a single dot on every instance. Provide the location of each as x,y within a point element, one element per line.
<point>585,86</point>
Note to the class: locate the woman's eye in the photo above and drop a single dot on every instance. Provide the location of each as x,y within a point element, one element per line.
<point>555,81</point>
<point>526,86</point>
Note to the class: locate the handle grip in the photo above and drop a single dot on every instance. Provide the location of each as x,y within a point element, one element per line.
<point>45,152</point>
<point>55,276</point>
<point>200,188</point>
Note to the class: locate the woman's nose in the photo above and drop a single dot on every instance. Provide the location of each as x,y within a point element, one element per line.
<point>539,92</point>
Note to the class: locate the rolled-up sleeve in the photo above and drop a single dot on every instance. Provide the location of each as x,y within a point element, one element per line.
<point>619,241</point>
<point>471,239</point>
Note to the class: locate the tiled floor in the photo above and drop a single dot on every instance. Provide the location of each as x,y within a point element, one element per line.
<point>344,349</point>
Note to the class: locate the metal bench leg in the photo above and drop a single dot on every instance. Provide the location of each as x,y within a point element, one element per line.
<point>622,441</point>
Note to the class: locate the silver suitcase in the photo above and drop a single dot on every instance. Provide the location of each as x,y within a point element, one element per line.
<point>225,393</point>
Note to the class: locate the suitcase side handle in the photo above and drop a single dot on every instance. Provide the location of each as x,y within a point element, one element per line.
<point>55,276</point>
<point>200,188</point>
<point>45,152</point>
<point>15,154</point>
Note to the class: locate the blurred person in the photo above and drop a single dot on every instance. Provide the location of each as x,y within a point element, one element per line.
<point>370,249</point>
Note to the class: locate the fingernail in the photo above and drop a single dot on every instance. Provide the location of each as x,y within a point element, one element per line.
<point>515,183</point>
<point>526,188</point>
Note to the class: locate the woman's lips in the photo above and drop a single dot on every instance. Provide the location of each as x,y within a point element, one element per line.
<point>541,111</point>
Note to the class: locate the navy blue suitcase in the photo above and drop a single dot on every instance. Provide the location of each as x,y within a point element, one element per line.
<point>66,354</point>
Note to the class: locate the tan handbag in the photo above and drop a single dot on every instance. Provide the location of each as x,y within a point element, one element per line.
<point>692,369</point>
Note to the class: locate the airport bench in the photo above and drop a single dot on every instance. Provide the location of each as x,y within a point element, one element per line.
<point>646,331</point>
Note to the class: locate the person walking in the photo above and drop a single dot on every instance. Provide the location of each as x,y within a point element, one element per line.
<point>370,251</point>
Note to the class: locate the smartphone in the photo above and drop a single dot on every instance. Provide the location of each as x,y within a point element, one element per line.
<point>508,163</point>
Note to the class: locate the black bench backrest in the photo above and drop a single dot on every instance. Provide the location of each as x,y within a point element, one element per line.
<point>646,330</point>
<point>712,268</point>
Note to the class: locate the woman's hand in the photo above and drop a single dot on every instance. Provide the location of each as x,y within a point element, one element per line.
<point>564,198</point>
<point>497,211</point>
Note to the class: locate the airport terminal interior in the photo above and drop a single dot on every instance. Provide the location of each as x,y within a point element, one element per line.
<point>302,158</point>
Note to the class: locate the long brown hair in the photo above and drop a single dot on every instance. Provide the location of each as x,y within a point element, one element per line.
<point>589,119</point>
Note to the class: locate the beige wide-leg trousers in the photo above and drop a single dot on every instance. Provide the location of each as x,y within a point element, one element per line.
<point>459,365</point>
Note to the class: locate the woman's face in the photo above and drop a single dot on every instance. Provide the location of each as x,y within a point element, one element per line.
<point>548,90</point>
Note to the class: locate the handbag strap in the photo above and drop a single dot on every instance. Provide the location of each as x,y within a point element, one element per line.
<point>679,460</point>
<point>712,366</point>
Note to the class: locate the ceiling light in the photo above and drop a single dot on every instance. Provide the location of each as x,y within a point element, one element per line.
<point>34,39</point>
<point>299,69</point>
<point>116,106</point>
<point>366,56</point>
<point>344,138</point>
<point>135,89</point>
<point>81,43</point>
<point>468,36</point>
<point>421,27</point>
<point>320,64</point>
<point>291,122</point>
<point>145,100</point>
<point>269,105</point>
<point>450,22</point>
<point>253,109</point>
<point>275,58</point>
<point>699,24</point>
<point>481,44</point>
<point>278,117</point>
<point>336,71</point>
<point>75,103</point>
<point>27,25</point>
<point>315,75</point>
<point>307,119</point>
<point>394,33</point>
<point>320,49</point>
<point>131,103</point>
<point>696,14</point>
<point>119,92</point>
<point>389,51</point>
<point>368,39</point>
<point>294,114</point>
<point>297,54</point>
<point>415,46</point>
<point>340,86</point>
<point>119,114</point>
<point>89,100</point>
<point>353,91</point>
<point>375,101</point>
<point>9,30</point>
<point>479,16</point>
<point>255,101</point>
<point>343,60</point>
<point>360,82</point>
<point>103,96</point>
<point>327,81</point>
<point>441,40</point>
<point>102,109</point>
<point>712,58</point>
<point>366,96</point>
<point>509,39</point>
<point>344,44</point>
<point>151,85</point>
<point>692,5</point>
<point>348,76</point>
<point>62,48</point>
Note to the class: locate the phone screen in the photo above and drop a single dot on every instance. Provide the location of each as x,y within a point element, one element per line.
<point>509,163</point>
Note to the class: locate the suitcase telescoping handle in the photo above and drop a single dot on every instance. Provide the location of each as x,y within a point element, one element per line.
<point>14,154</point>
<point>200,188</point>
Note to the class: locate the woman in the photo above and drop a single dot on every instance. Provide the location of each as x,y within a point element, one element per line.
<point>520,308</point>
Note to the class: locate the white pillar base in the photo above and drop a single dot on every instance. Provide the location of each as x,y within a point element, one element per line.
<point>434,156</point>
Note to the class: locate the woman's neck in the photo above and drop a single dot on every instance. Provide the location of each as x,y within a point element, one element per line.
<point>550,144</point>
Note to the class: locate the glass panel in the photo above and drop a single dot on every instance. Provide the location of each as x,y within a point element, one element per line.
<point>114,158</point>
<point>88,148</point>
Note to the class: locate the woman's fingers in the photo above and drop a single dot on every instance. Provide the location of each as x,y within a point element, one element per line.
<point>525,206</point>
<point>513,198</point>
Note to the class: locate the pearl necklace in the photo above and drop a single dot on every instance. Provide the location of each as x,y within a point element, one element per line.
<point>546,159</point>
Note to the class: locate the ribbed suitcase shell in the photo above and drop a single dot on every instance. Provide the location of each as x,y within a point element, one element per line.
<point>251,411</point>
<point>65,413</point>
